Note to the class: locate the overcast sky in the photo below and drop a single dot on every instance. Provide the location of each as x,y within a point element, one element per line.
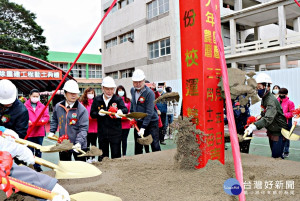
<point>67,24</point>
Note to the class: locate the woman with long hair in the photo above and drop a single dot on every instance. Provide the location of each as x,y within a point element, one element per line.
<point>121,92</point>
<point>87,100</point>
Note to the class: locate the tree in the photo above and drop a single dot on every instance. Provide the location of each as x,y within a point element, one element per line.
<point>19,32</point>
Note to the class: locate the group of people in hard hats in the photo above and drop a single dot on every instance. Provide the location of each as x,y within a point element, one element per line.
<point>71,117</point>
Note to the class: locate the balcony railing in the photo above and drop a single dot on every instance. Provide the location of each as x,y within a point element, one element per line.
<point>290,39</point>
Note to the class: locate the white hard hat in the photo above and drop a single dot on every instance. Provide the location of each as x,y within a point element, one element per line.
<point>263,77</point>
<point>8,92</point>
<point>108,82</point>
<point>71,86</point>
<point>138,75</point>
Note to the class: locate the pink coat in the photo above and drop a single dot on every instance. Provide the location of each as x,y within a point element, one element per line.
<point>93,128</point>
<point>125,122</point>
<point>38,131</point>
<point>288,107</point>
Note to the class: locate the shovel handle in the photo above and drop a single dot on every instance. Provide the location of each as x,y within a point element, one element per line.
<point>26,142</point>
<point>292,129</point>
<point>45,163</point>
<point>53,138</point>
<point>30,189</point>
<point>112,113</point>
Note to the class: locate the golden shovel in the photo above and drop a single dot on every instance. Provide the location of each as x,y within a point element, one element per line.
<point>135,115</point>
<point>245,136</point>
<point>49,148</point>
<point>289,134</point>
<point>49,195</point>
<point>94,151</point>
<point>70,169</point>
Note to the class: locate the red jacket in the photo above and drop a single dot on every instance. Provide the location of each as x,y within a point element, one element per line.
<point>38,131</point>
<point>288,107</point>
<point>93,128</point>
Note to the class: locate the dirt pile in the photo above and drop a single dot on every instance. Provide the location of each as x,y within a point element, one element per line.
<point>188,139</point>
<point>65,145</point>
<point>153,176</point>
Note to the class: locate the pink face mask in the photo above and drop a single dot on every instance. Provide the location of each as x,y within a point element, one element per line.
<point>34,100</point>
<point>90,96</point>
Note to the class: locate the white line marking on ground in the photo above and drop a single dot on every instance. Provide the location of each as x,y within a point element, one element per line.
<point>268,146</point>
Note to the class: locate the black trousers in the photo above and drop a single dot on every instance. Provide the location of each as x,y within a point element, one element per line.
<point>92,140</point>
<point>152,129</point>
<point>163,129</point>
<point>67,156</point>
<point>125,133</point>
<point>113,143</point>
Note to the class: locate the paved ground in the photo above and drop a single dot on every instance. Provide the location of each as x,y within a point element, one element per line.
<point>259,146</point>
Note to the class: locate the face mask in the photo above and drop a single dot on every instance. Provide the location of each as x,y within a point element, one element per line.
<point>90,96</point>
<point>34,100</point>
<point>108,96</point>
<point>160,90</point>
<point>275,91</point>
<point>261,92</point>
<point>121,93</point>
<point>138,88</point>
<point>282,96</point>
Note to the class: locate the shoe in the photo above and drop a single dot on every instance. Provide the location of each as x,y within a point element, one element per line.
<point>166,137</point>
<point>38,169</point>
<point>162,142</point>
<point>89,160</point>
<point>94,160</point>
<point>286,155</point>
<point>171,137</point>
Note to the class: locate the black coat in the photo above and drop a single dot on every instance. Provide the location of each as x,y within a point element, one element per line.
<point>107,126</point>
<point>16,118</point>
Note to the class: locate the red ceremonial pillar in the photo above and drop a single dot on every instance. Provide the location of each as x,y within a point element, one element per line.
<point>201,73</point>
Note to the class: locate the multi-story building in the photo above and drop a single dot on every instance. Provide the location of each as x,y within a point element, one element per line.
<point>145,34</point>
<point>87,71</point>
<point>142,34</point>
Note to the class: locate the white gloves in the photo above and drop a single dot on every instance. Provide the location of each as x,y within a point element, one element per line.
<point>63,195</point>
<point>141,132</point>
<point>76,146</point>
<point>296,120</point>
<point>119,112</point>
<point>22,152</point>
<point>50,134</point>
<point>101,114</point>
<point>250,129</point>
<point>11,133</point>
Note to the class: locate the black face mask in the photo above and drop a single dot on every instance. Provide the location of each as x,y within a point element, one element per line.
<point>282,96</point>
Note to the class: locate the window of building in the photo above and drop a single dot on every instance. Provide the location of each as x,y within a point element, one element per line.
<point>159,48</point>
<point>127,73</point>
<point>110,43</point>
<point>95,71</point>
<point>124,37</point>
<point>114,75</point>
<point>79,71</point>
<point>123,3</point>
<point>157,7</point>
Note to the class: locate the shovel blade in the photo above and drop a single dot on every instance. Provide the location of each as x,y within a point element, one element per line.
<point>94,196</point>
<point>145,140</point>
<point>75,170</point>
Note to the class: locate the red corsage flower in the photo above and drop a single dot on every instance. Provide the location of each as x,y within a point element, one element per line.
<point>73,121</point>
<point>142,99</point>
<point>5,118</point>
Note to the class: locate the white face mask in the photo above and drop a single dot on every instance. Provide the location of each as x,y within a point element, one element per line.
<point>35,100</point>
<point>275,91</point>
<point>121,93</point>
<point>160,89</point>
<point>90,96</point>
